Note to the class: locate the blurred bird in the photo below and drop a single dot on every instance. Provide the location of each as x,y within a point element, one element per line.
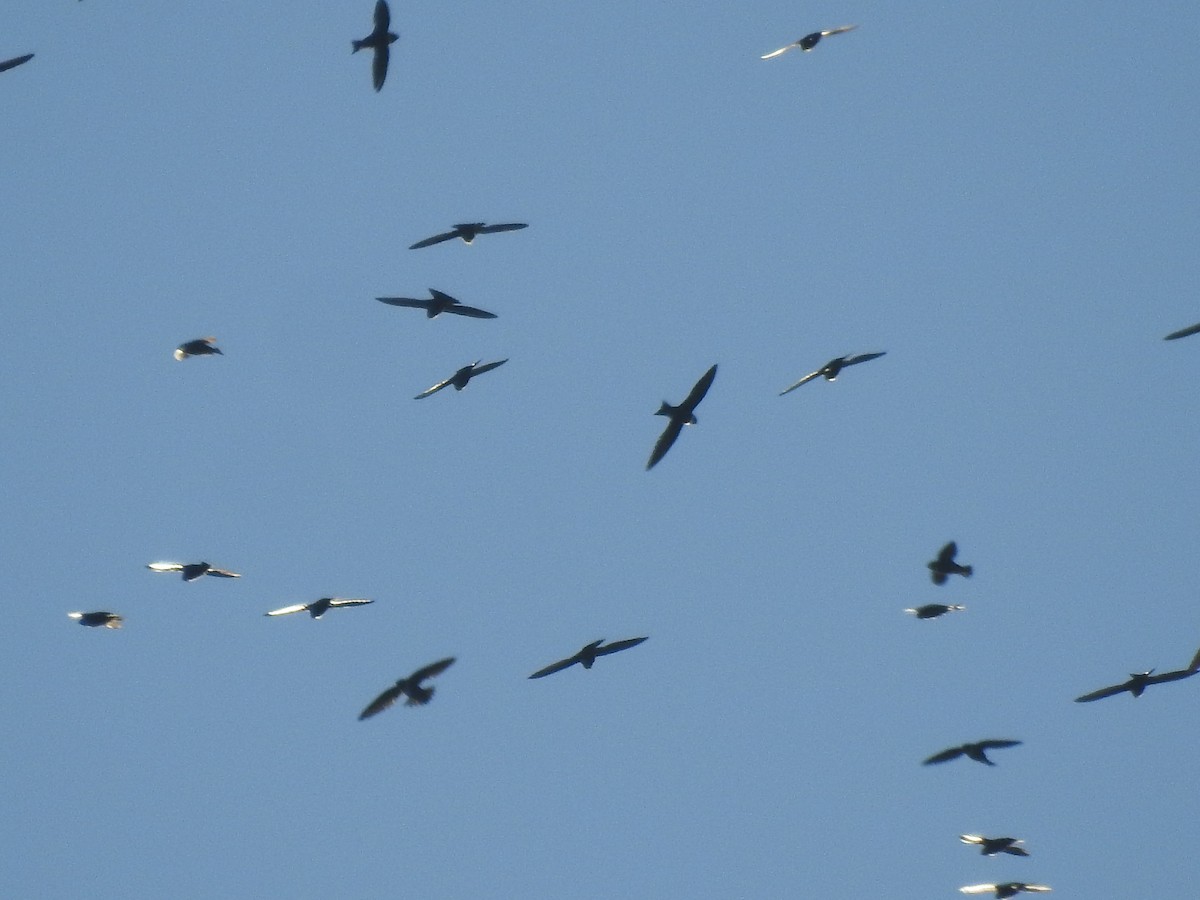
<point>97,619</point>
<point>683,414</point>
<point>587,655</point>
<point>410,687</point>
<point>468,231</point>
<point>833,368</point>
<point>945,566</point>
<point>14,62</point>
<point>191,571</point>
<point>441,303</point>
<point>932,610</point>
<point>378,40</point>
<point>1182,332</point>
<point>1139,681</point>
<point>460,378</point>
<point>204,346</point>
<point>991,846</point>
<point>1007,889</point>
<point>809,41</point>
<point>318,608</point>
<point>975,751</point>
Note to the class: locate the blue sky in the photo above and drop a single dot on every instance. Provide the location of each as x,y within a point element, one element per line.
<point>1000,196</point>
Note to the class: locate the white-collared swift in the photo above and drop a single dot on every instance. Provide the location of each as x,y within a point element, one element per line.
<point>410,687</point>
<point>587,655</point>
<point>683,414</point>
<point>98,619</point>
<point>991,846</point>
<point>1139,681</point>
<point>467,232</point>
<point>318,608</point>
<point>440,303</point>
<point>378,40</point>
<point>460,378</point>
<point>944,566</point>
<point>809,41</point>
<point>832,369</point>
<point>933,610</point>
<point>191,571</point>
<point>975,750</point>
<point>1005,889</point>
<point>205,346</point>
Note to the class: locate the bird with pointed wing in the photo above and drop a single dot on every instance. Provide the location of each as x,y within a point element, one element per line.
<point>1139,681</point>
<point>410,687</point>
<point>975,751</point>
<point>97,619</point>
<point>460,378</point>
<point>809,41</point>
<point>833,368</point>
<point>944,566</point>
<point>683,414</point>
<point>378,40</point>
<point>191,571</point>
<point>467,232</point>
<point>205,346</point>
<point>588,655</point>
<point>318,608</point>
<point>440,303</point>
<point>991,846</point>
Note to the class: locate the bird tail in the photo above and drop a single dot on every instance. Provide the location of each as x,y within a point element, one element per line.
<point>956,608</point>
<point>967,570</point>
<point>357,45</point>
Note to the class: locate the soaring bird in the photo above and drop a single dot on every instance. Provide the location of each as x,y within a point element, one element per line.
<point>379,41</point>
<point>587,655</point>
<point>14,62</point>
<point>1007,889</point>
<point>832,369</point>
<point>467,231</point>
<point>932,610</point>
<point>97,619</point>
<point>1139,681</point>
<point>1182,332</point>
<point>809,41</point>
<point>191,571</point>
<point>205,346</point>
<point>683,414</point>
<point>411,687</point>
<point>460,378</point>
<point>944,566</point>
<point>318,608</point>
<point>975,751</point>
<point>991,846</point>
<point>441,303</point>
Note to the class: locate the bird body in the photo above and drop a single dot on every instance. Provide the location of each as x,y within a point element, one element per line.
<point>460,378</point>
<point>467,232</point>
<point>991,846</point>
<point>933,610</point>
<point>378,40</point>
<point>1004,890</point>
<point>191,571</point>
<point>204,346</point>
<point>1139,681</point>
<point>587,655</point>
<point>318,608</point>
<point>410,687</point>
<point>683,414</point>
<point>833,368</point>
<point>809,41</point>
<point>976,751</point>
<point>944,566</point>
<point>440,303</point>
<point>97,619</point>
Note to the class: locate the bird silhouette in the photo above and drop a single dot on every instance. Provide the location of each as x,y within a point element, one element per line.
<point>318,608</point>
<point>191,571</point>
<point>378,40</point>
<point>460,378</point>
<point>944,566</point>
<point>809,41</point>
<point>467,231</point>
<point>1139,681</point>
<point>975,751</point>
<point>441,303</point>
<point>991,846</point>
<point>97,619</point>
<point>833,368</point>
<point>932,610</point>
<point>683,414</point>
<point>1183,332</point>
<point>1007,889</point>
<point>204,346</point>
<point>587,655</point>
<point>14,62</point>
<point>411,687</point>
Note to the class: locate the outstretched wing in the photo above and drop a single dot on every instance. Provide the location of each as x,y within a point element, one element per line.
<point>556,667</point>
<point>944,756</point>
<point>946,555</point>
<point>841,29</point>
<point>978,889</point>
<point>349,601</point>
<point>1035,888</point>
<point>1102,693</point>
<point>1182,332</point>
<point>408,302</point>
<point>487,367</point>
<point>781,50</point>
<point>383,16</point>
<point>288,610</point>
<point>699,389</point>
<point>997,744</point>
<point>1171,676</point>
<point>222,573</point>
<point>509,226</point>
<point>460,310</point>
<point>430,670</point>
<point>433,390</point>
<point>436,239</point>
<point>382,702</point>
<point>1194,665</point>
<point>805,380</point>
<point>617,646</point>
<point>14,62</point>
<point>165,567</point>
<point>861,358</point>
<point>379,64</point>
<point>664,443</point>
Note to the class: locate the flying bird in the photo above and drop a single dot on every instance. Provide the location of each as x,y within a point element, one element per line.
<point>1139,681</point>
<point>683,414</point>
<point>97,619</point>
<point>318,608</point>
<point>191,571</point>
<point>932,610</point>
<point>991,846</point>
<point>1007,889</point>
<point>411,687</point>
<point>460,378</point>
<point>205,346</point>
<point>378,40</point>
<point>975,751</point>
<point>14,62</point>
<point>587,655</point>
<point>809,41</point>
<point>441,303</point>
<point>944,566</point>
<point>467,231</point>
<point>1183,332</point>
<point>832,369</point>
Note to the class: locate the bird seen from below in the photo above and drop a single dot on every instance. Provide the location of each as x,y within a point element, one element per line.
<point>97,619</point>
<point>14,62</point>
<point>932,610</point>
<point>191,571</point>
<point>205,346</point>
<point>318,608</point>
<point>809,41</point>
<point>378,40</point>
<point>1139,681</point>
<point>410,687</point>
<point>991,846</point>
<point>975,751</point>
<point>460,378</point>
<point>587,655</point>
<point>467,232</point>
<point>832,369</point>
<point>683,414</point>
<point>440,303</point>
<point>1183,332</point>
<point>944,566</point>
<point>1007,889</point>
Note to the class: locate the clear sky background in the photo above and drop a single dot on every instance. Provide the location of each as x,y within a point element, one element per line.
<point>1001,195</point>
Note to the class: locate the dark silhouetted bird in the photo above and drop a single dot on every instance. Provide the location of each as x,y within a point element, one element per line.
<point>378,40</point>
<point>975,751</point>
<point>191,571</point>
<point>441,303</point>
<point>1007,889</point>
<point>1183,332</point>
<point>97,619</point>
<point>683,414</point>
<point>14,62</point>
<point>460,378</point>
<point>467,231</point>
<point>411,687</point>
<point>932,610</point>
<point>1139,681</point>
<point>318,608</point>
<point>587,655</point>
<point>991,846</point>
<point>809,41</point>
<point>945,566</point>
<point>832,369</point>
<point>204,346</point>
